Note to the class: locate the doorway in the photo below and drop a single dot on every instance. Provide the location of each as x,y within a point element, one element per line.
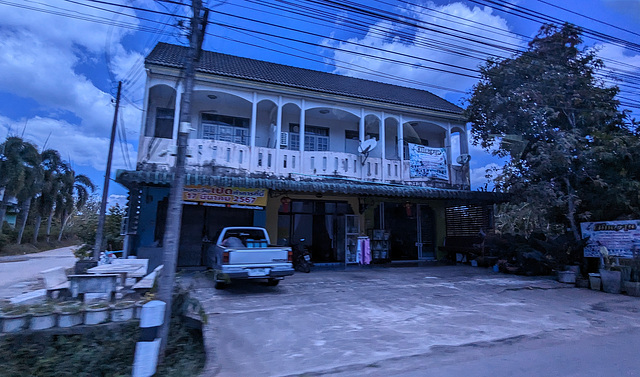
<point>411,228</point>
<point>318,224</point>
<point>200,227</point>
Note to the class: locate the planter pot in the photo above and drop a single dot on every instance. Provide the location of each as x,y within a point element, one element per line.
<point>625,273</point>
<point>574,269</point>
<point>70,319</point>
<point>14,322</point>
<point>96,314</point>
<point>83,265</point>
<point>138,309</point>
<point>632,288</point>
<point>568,277</point>
<point>122,311</point>
<point>610,281</point>
<point>594,281</point>
<point>582,282</point>
<point>70,315</point>
<point>42,320</point>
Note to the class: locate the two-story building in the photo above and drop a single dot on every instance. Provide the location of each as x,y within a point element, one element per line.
<point>307,154</point>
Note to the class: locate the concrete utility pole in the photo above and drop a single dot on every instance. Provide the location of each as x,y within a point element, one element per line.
<point>171,239</point>
<point>105,188</point>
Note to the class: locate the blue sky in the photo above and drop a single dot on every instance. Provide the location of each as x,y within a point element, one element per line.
<point>61,60</point>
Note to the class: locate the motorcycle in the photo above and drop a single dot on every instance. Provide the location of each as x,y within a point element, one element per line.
<point>301,257</point>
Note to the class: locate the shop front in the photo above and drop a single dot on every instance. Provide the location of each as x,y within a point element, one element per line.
<point>339,223</point>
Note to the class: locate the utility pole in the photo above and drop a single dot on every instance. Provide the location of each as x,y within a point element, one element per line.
<point>107,175</point>
<point>171,239</point>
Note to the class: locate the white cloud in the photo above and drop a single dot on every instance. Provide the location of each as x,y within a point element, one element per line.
<point>74,146</point>
<point>48,58</point>
<point>114,199</point>
<point>478,176</point>
<point>416,53</point>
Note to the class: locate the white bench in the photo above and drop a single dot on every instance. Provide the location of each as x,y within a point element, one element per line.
<point>105,284</point>
<point>55,280</point>
<point>142,263</point>
<point>148,281</point>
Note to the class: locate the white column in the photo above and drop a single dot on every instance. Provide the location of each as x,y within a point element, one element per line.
<point>382,147</point>
<point>401,146</point>
<point>278,130</point>
<point>145,111</point>
<point>303,109</point>
<point>361,137</point>
<point>252,130</point>
<point>254,114</point>
<point>176,113</point>
<point>447,145</point>
<point>361,129</point>
<point>302,115</point>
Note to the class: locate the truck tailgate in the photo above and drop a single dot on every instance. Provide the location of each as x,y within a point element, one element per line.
<point>258,256</point>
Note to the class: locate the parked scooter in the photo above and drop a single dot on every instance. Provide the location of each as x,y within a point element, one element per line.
<point>301,257</point>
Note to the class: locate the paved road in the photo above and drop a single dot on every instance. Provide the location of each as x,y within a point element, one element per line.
<point>20,274</point>
<point>409,321</point>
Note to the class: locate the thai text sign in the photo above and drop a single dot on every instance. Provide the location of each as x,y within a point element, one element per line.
<point>618,237</point>
<point>428,162</point>
<point>225,195</point>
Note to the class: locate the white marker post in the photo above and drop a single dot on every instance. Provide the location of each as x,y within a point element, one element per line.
<point>146,357</point>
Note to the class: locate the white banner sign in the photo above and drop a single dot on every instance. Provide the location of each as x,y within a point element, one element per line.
<point>428,162</point>
<point>617,236</point>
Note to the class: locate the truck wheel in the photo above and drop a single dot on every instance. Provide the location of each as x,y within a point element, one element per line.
<point>273,282</point>
<point>219,284</point>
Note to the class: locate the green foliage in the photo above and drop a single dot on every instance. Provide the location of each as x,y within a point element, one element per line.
<point>572,155</point>
<point>102,352</point>
<point>112,225</point>
<point>84,222</point>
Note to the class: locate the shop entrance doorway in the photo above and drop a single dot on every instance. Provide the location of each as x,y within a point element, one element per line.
<point>319,224</point>
<point>200,226</point>
<point>411,228</point>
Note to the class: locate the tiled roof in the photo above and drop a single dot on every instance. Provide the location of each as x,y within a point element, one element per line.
<point>169,55</point>
<point>131,179</point>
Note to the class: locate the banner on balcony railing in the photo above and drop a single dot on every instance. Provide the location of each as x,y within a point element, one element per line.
<point>425,162</point>
<point>232,197</point>
<point>619,237</point>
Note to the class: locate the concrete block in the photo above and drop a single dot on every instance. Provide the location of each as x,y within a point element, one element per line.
<point>30,297</point>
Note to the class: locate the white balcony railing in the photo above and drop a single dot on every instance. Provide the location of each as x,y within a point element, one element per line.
<point>283,162</point>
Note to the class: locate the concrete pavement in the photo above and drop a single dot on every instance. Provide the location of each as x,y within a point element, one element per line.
<point>379,321</point>
<point>20,274</point>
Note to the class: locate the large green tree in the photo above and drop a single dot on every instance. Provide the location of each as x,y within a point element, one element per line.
<point>17,160</point>
<point>73,194</point>
<point>52,167</point>
<point>571,151</point>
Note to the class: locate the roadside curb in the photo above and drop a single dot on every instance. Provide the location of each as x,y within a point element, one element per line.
<point>13,258</point>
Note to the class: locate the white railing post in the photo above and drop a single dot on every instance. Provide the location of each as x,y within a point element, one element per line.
<point>146,356</point>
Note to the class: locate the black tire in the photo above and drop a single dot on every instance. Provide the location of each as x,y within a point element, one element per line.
<point>305,267</point>
<point>218,284</point>
<point>273,282</point>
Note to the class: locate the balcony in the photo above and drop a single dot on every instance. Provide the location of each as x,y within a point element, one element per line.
<point>210,156</point>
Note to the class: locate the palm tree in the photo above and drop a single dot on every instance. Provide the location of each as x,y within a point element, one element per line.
<point>33,176</point>
<point>73,194</point>
<point>52,169</point>
<point>16,158</point>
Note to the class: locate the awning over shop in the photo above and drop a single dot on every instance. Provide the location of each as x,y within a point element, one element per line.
<point>131,179</point>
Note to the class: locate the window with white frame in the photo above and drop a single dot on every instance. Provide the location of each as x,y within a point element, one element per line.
<point>315,138</point>
<point>164,123</point>
<point>225,128</point>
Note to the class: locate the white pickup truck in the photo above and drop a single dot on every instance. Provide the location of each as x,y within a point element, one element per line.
<point>246,253</point>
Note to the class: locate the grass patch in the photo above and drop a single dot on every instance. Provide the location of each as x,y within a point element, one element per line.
<point>28,248</point>
<point>103,352</point>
